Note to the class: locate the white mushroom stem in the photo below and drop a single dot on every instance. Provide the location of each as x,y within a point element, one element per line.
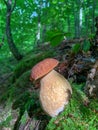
<point>55,92</point>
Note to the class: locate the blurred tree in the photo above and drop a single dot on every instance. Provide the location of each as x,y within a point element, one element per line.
<point>10,7</point>
<point>28,21</point>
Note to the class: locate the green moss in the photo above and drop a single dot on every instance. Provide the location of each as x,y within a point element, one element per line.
<point>76,115</point>
<point>18,88</point>
<point>29,61</point>
<point>22,85</point>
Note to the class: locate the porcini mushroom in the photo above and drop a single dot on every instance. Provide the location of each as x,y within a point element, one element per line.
<point>55,90</point>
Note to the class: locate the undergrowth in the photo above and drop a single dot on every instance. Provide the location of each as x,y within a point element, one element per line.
<point>76,116</point>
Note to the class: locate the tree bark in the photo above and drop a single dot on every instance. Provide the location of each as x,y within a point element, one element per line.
<point>77,19</point>
<point>9,36</point>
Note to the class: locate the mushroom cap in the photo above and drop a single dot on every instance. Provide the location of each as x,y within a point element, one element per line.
<point>43,67</point>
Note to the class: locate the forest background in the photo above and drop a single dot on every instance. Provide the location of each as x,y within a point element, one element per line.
<point>30,30</point>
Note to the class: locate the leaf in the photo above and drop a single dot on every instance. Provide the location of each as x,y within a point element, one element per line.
<point>91,36</point>
<point>86,46</point>
<point>55,37</point>
<point>54,2</point>
<point>76,48</point>
<point>56,40</point>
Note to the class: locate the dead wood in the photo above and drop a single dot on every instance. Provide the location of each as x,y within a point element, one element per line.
<point>91,88</point>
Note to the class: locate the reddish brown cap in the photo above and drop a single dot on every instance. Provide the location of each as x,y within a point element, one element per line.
<point>43,67</point>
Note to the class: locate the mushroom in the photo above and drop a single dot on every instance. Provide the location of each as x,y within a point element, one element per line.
<point>55,90</point>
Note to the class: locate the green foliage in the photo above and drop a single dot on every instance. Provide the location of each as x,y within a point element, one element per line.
<point>76,48</point>
<point>26,16</point>
<point>55,37</point>
<point>86,46</point>
<point>91,36</point>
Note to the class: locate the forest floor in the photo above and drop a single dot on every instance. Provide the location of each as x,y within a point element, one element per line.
<point>14,80</point>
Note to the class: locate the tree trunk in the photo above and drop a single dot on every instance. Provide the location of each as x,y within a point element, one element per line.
<point>10,41</point>
<point>78,19</point>
<point>77,33</point>
<point>44,27</point>
<point>38,36</point>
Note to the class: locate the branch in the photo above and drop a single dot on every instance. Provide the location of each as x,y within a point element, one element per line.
<point>13,6</point>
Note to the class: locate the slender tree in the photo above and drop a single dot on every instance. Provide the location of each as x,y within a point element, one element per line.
<point>10,8</point>
<point>77,19</point>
